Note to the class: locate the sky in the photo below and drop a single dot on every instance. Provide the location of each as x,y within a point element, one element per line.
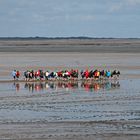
<point>67,18</point>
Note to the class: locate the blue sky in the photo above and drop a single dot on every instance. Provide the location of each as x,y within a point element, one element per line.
<point>65,18</point>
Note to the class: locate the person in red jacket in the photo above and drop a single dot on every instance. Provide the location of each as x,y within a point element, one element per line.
<point>17,74</point>
<point>87,74</point>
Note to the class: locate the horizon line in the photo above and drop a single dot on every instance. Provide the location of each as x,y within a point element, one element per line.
<point>72,37</point>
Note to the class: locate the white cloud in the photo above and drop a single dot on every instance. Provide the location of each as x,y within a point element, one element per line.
<point>116,7</point>
<point>132,2</point>
<point>80,17</point>
<point>122,4</point>
<point>88,17</point>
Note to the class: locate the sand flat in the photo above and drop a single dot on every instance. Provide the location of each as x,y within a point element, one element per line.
<point>127,63</point>
<point>108,113</point>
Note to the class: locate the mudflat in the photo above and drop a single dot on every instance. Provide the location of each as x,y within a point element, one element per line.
<point>105,111</point>
<point>71,45</point>
<point>127,63</point>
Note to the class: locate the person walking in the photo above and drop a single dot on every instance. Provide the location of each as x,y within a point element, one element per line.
<point>14,74</point>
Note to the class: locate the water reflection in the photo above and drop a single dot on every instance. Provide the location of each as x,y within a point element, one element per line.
<point>100,86</point>
<point>86,86</point>
<point>16,86</point>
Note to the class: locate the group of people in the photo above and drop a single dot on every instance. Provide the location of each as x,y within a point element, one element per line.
<point>41,75</point>
<point>96,74</point>
<point>72,74</point>
<point>15,74</point>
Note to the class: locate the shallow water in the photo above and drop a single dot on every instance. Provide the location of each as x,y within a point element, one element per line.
<point>67,101</point>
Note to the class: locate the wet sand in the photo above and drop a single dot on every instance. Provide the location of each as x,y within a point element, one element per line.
<point>70,113</point>
<point>127,63</point>
<point>63,113</point>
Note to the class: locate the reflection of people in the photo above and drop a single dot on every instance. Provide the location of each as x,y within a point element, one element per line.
<point>39,86</point>
<point>99,85</point>
<point>115,85</point>
<point>17,86</point>
<point>107,85</point>
<point>88,86</point>
<point>29,86</point>
<point>52,85</point>
<point>69,85</point>
<point>46,85</point>
<point>96,86</point>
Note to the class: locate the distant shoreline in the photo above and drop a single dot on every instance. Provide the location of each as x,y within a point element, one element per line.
<point>70,45</point>
<point>53,38</point>
<point>67,41</point>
